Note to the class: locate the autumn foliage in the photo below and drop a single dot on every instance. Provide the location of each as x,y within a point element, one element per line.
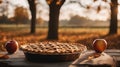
<point>21,15</point>
<point>77,35</point>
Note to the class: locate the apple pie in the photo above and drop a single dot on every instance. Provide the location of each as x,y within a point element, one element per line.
<point>53,48</point>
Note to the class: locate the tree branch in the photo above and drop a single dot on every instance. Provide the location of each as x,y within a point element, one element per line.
<point>88,6</point>
<point>62,2</point>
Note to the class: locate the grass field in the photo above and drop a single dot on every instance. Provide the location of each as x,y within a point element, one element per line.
<point>80,35</point>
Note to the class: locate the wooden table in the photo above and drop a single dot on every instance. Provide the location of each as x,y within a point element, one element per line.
<point>18,60</point>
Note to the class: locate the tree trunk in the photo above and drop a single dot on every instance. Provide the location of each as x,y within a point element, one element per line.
<point>32,7</point>
<point>53,23</point>
<point>113,22</point>
<point>54,11</point>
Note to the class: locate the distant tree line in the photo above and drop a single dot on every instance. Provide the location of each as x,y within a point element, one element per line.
<point>54,11</point>
<point>113,27</point>
<point>21,16</point>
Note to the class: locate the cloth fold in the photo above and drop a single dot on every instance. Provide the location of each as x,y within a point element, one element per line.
<point>90,58</point>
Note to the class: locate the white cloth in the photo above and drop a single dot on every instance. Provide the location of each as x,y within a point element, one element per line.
<point>88,58</point>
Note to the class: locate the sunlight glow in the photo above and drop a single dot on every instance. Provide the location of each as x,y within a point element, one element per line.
<point>118,12</point>
<point>69,10</point>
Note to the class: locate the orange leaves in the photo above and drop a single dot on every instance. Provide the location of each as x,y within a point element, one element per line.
<point>49,1</point>
<point>80,35</point>
<point>97,0</point>
<point>105,0</point>
<point>94,0</point>
<point>0,1</point>
<point>20,14</point>
<point>88,7</point>
<point>98,9</point>
<point>58,2</point>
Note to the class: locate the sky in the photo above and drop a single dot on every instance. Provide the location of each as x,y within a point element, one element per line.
<point>69,10</point>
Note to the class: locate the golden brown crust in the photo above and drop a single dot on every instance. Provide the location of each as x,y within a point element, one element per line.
<point>54,48</point>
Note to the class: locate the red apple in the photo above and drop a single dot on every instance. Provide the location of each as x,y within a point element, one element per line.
<point>11,46</point>
<point>99,45</point>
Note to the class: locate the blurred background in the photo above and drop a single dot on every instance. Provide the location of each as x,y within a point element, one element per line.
<point>77,21</point>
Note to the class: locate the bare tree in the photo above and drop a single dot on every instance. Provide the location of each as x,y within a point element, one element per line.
<point>32,7</point>
<point>54,11</point>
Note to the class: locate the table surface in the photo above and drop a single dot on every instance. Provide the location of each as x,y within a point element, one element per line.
<point>110,58</point>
